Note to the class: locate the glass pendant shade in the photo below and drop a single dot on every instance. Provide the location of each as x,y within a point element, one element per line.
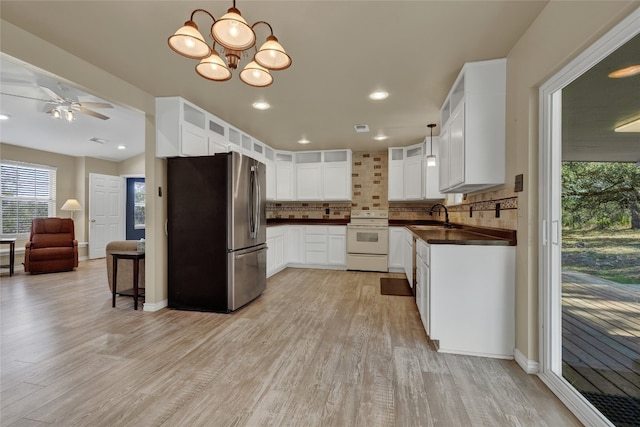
<point>233,32</point>
<point>69,116</point>
<point>213,68</point>
<point>431,160</point>
<point>188,41</point>
<point>255,75</point>
<point>272,55</point>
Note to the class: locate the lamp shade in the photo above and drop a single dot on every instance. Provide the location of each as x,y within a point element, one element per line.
<point>272,55</point>
<point>431,160</point>
<point>213,68</point>
<point>255,75</point>
<point>188,41</point>
<point>233,32</point>
<point>71,205</point>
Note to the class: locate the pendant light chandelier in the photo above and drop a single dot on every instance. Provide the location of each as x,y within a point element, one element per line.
<point>431,158</point>
<point>235,36</point>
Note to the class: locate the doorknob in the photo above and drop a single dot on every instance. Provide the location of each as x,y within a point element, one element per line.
<point>93,220</point>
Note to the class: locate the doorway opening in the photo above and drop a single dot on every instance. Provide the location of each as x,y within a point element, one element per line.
<point>590,305</point>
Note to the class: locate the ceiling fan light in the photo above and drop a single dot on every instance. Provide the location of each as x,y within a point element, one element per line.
<point>255,75</point>
<point>233,32</point>
<point>69,116</point>
<point>625,72</point>
<point>272,55</point>
<point>188,41</point>
<point>55,113</point>
<point>213,68</point>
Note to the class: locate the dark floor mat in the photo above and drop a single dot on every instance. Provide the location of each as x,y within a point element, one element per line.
<point>622,411</point>
<point>391,286</point>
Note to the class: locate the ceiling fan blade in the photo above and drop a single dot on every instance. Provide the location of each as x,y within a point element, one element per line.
<point>25,97</point>
<point>96,105</point>
<point>92,113</point>
<point>52,94</point>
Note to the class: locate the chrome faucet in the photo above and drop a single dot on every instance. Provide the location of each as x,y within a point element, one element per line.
<point>447,224</point>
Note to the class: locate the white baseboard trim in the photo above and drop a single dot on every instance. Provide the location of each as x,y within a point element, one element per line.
<point>147,306</point>
<point>318,266</point>
<point>529,366</point>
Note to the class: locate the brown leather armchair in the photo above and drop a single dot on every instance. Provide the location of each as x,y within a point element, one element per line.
<point>52,246</point>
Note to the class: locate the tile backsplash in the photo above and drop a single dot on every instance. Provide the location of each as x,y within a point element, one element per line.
<point>370,174</point>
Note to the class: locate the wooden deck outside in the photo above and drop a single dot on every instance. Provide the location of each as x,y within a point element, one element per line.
<point>601,344</point>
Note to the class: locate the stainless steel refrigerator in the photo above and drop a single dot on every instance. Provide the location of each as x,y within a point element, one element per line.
<point>216,232</point>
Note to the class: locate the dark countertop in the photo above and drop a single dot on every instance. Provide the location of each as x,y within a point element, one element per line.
<point>464,235</point>
<point>428,230</point>
<point>306,221</point>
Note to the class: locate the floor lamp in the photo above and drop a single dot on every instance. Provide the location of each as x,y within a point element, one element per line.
<point>71,205</point>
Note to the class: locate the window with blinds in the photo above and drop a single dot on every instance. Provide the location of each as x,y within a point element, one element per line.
<point>28,191</point>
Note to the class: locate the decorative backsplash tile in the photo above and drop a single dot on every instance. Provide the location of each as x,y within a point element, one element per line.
<point>369,176</point>
<point>308,210</point>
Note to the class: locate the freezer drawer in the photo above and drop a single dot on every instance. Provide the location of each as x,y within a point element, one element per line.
<point>247,275</point>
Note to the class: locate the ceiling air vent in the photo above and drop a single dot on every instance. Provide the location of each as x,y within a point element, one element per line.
<point>361,128</point>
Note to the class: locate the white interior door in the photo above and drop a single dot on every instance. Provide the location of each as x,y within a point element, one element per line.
<point>106,212</point>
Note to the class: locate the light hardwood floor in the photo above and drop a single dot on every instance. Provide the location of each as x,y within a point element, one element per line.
<point>318,348</point>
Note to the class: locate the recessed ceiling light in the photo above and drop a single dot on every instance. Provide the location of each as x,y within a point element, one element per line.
<point>378,95</point>
<point>380,137</point>
<point>122,147</point>
<point>261,105</point>
<point>4,117</point>
<point>625,72</point>
<point>633,126</point>
<point>303,141</point>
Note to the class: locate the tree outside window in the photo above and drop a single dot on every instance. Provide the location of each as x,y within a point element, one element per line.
<point>138,206</point>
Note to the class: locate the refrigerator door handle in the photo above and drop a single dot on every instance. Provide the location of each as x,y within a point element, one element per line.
<point>258,202</point>
<point>253,209</point>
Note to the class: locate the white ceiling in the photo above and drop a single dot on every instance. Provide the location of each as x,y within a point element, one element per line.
<point>341,50</point>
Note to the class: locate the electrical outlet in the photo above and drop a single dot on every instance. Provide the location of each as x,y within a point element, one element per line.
<point>497,210</point>
<point>519,183</point>
<point>327,211</point>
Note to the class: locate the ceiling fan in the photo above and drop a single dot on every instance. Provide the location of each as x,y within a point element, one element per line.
<point>59,106</point>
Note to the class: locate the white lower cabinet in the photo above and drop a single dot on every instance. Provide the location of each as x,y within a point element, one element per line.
<point>306,246</point>
<point>337,246</point>
<point>316,245</point>
<point>423,288</point>
<point>396,249</point>
<point>408,255</point>
<point>466,298</point>
<point>275,250</point>
<point>295,244</point>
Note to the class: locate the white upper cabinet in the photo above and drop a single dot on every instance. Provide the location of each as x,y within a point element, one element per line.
<point>270,163</point>
<point>406,173</point>
<point>396,174</point>
<point>218,135</point>
<point>308,175</point>
<point>413,173</point>
<point>472,143</point>
<point>323,175</point>
<point>336,175</point>
<point>180,128</point>
<point>284,179</point>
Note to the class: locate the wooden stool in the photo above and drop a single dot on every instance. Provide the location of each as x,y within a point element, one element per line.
<point>12,254</point>
<point>136,257</point>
